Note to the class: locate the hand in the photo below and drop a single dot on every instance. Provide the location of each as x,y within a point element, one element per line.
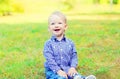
<point>72,71</point>
<point>62,73</point>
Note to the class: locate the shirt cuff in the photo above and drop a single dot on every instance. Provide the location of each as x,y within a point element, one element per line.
<point>74,66</point>
<point>56,70</point>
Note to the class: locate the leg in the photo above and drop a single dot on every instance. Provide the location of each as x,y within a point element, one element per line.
<point>83,77</point>
<point>78,76</point>
<point>51,75</point>
<point>90,77</point>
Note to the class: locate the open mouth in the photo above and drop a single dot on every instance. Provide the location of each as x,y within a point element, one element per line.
<point>56,29</point>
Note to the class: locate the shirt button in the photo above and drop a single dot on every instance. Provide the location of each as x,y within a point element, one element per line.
<point>69,45</point>
<point>61,57</point>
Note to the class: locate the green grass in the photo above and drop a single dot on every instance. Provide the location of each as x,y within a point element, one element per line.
<point>97,43</point>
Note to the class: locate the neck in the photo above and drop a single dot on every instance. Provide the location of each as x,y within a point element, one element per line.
<point>59,37</point>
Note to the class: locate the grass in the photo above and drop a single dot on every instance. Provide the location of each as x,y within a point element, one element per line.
<point>21,50</point>
<point>97,44</point>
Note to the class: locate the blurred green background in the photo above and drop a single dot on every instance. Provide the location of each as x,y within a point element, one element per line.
<point>94,26</point>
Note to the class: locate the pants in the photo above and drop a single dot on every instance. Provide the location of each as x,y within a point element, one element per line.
<point>51,75</point>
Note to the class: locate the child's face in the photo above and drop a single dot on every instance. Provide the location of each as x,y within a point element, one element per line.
<point>57,25</point>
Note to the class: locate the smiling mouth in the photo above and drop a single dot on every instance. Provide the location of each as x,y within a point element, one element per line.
<point>57,30</point>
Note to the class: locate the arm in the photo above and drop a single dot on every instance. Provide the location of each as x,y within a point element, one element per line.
<point>51,61</point>
<point>74,62</point>
<point>48,54</point>
<point>74,59</point>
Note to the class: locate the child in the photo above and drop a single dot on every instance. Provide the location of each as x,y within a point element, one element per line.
<point>60,52</point>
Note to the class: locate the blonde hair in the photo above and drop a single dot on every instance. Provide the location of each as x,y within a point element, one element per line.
<point>58,13</point>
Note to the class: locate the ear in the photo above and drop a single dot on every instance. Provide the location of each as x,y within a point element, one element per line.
<point>48,28</point>
<point>66,26</point>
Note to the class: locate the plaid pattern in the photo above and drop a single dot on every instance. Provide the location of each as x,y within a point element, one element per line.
<point>60,54</point>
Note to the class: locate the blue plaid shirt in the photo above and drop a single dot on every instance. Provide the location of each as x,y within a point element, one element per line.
<point>60,54</point>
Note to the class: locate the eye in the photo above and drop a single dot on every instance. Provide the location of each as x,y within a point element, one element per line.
<point>52,23</point>
<point>60,23</point>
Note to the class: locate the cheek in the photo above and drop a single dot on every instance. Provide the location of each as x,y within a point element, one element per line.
<point>50,27</point>
<point>64,27</point>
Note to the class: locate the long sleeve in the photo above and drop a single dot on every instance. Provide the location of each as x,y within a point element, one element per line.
<point>74,59</point>
<point>48,54</point>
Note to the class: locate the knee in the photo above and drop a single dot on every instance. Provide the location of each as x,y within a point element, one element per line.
<point>61,77</point>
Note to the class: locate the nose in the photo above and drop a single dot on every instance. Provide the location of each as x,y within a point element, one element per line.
<point>56,25</point>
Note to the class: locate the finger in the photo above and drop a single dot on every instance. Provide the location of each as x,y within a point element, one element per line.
<point>70,74</point>
<point>66,77</point>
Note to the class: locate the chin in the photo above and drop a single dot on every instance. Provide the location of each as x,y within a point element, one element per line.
<point>57,35</point>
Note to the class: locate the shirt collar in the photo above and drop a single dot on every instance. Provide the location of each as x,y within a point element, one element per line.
<point>55,39</point>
